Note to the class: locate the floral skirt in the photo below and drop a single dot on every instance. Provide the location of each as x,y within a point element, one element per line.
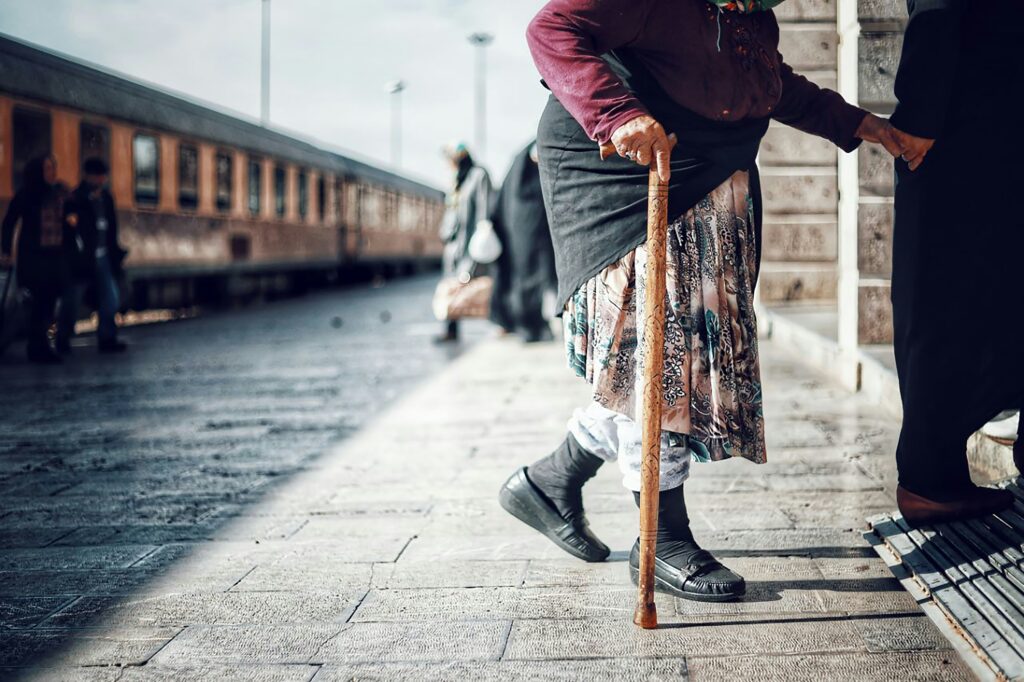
<point>712,378</point>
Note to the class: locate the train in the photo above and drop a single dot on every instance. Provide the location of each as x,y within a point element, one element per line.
<point>211,205</point>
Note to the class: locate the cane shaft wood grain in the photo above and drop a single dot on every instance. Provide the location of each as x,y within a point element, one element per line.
<point>646,615</point>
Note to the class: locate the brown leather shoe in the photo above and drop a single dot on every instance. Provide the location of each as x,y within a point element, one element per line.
<point>920,511</point>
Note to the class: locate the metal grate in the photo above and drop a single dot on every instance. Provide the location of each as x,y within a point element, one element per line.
<point>973,572</point>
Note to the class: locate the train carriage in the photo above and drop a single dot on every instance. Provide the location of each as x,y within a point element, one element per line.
<point>209,203</point>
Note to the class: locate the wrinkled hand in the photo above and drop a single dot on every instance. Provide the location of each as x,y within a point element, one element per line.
<point>914,148</point>
<point>876,129</point>
<point>643,141</point>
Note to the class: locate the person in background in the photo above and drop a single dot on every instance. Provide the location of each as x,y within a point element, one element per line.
<point>98,263</point>
<point>526,269</point>
<point>45,235</point>
<point>957,242</point>
<point>467,204</point>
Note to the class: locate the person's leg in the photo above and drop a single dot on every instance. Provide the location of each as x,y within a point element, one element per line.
<point>943,401</point>
<point>682,568</point>
<point>548,495</point>
<point>592,439</point>
<point>67,316</point>
<point>41,315</point>
<point>450,333</point>
<point>675,456</point>
<point>107,303</point>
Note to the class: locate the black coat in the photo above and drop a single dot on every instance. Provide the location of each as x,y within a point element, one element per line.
<point>81,206</point>
<point>959,229</point>
<point>526,269</point>
<point>42,254</point>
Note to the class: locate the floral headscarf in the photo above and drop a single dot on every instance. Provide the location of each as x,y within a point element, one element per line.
<point>746,6</point>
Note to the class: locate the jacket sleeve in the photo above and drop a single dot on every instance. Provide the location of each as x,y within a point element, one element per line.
<point>924,81</point>
<point>567,39</point>
<point>818,111</point>
<point>14,210</point>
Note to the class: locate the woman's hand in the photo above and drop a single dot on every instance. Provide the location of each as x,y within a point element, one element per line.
<point>876,129</point>
<point>643,141</point>
<point>914,148</point>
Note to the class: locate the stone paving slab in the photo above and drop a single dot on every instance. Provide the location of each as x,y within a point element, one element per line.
<point>261,496</point>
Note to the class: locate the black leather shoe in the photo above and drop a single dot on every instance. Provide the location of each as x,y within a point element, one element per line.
<point>693,580</point>
<point>520,498</point>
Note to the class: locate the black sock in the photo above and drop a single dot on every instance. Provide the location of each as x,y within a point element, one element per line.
<point>676,544</point>
<point>560,476</point>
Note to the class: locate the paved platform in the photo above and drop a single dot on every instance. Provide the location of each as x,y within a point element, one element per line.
<point>269,496</point>
<point>972,573</point>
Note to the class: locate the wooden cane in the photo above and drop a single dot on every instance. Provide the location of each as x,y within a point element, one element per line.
<point>646,614</point>
<point>653,353</point>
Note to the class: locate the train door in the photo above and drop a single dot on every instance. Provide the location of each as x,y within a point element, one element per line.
<point>32,138</point>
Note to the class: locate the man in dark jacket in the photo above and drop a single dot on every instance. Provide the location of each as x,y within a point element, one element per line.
<point>97,261</point>
<point>959,234</point>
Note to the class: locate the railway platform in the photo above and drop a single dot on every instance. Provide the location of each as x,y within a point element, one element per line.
<point>307,490</point>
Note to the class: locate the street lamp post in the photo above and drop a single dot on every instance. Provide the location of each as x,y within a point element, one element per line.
<point>265,66</point>
<point>396,88</point>
<point>481,40</point>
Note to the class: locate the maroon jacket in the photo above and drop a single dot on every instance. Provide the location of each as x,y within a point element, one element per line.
<point>723,66</point>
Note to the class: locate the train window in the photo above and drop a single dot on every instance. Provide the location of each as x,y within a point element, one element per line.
<point>225,178</point>
<point>321,197</point>
<point>94,142</point>
<point>255,184</point>
<point>279,191</point>
<point>188,176</point>
<point>146,159</point>
<point>303,194</point>
<point>31,139</point>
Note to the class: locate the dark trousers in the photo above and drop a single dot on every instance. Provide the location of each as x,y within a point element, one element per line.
<point>956,330</point>
<point>107,303</point>
<point>42,303</point>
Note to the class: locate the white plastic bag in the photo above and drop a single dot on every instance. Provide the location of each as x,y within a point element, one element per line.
<point>484,246</point>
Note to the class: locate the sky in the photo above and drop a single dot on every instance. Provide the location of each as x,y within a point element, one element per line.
<point>330,63</point>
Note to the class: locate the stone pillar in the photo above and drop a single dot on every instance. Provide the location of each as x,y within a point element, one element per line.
<point>798,172</point>
<point>870,41</point>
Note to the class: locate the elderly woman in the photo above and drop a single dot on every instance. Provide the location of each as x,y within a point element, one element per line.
<point>688,85</point>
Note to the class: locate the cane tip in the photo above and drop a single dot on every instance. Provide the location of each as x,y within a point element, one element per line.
<point>646,617</point>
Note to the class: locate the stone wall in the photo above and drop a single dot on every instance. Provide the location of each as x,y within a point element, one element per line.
<point>799,172</point>
<point>879,45</point>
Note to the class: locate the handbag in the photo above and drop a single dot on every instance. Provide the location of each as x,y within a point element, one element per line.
<point>484,246</point>
<point>457,298</point>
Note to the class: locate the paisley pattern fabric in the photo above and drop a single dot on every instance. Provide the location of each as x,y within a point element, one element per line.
<point>746,6</point>
<point>712,382</point>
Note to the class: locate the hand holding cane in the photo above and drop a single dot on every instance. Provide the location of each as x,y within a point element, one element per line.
<point>646,614</point>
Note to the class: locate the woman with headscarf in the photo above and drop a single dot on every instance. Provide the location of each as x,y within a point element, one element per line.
<point>468,204</point>
<point>526,269</point>
<point>688,86</point>
<point>43,243</point>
